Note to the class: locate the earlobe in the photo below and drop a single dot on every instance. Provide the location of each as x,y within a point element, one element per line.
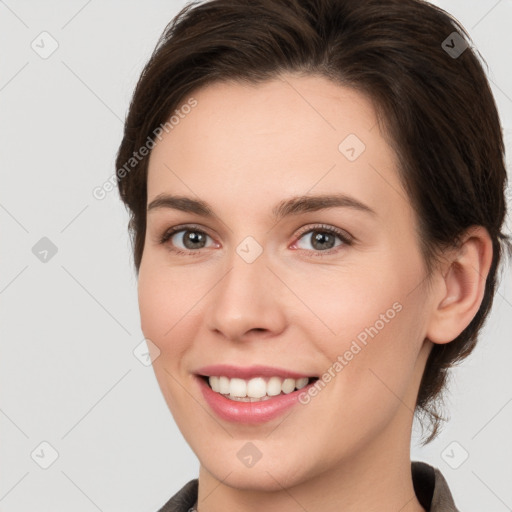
<point>461,287</point>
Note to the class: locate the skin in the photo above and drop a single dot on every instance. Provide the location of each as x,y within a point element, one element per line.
<point>243,149</point>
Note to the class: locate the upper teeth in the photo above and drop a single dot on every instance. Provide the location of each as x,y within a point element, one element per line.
<point>256,387</point>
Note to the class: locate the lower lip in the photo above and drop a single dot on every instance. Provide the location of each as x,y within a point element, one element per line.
<point>249,412</point>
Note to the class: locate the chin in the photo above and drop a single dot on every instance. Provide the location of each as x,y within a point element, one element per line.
<point>259,478</point>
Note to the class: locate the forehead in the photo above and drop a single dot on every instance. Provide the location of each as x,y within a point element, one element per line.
<point>287,136</point>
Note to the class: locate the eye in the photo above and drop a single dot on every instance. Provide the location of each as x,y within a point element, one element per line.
<point>185,239</point>
<point>188,240</point>
<point>322,239</point>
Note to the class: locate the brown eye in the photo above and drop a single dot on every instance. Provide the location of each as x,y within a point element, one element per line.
<point>192,239</point>
<point>322,239</point>
<point>185,239</point>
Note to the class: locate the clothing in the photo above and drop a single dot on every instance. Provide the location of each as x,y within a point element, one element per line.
<point>429,484</point>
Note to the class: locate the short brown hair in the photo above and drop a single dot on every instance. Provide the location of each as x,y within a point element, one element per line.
<point>436,106</point>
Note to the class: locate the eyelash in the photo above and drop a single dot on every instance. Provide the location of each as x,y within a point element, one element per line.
<point>345,238</point>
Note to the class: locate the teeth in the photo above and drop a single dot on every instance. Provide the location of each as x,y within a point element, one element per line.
<point>238,387</point>
<point>214,383</point>
<point>255,389</point>
<point>223,385</point>
<point>301,382</point>
<point>288,385</point>
<point>274,386</point>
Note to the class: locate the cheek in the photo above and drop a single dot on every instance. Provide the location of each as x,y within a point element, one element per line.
<point>345,303</point>
<point>167,318</point>
<point>367,321</point>
<point>166,305</point>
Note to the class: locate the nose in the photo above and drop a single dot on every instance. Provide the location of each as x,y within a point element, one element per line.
<point>246,302</point>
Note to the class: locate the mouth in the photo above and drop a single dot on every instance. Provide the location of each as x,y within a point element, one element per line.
<point>251,395</point>
<point>256,389</point>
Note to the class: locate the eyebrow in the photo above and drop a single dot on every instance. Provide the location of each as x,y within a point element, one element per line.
<point>293,206</point>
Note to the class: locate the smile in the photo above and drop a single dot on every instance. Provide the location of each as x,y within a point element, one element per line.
<point>251,395</point>
<point>256,389</point>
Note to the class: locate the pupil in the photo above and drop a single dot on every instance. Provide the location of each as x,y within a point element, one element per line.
<point>192,239</point>
<point>325,240</point>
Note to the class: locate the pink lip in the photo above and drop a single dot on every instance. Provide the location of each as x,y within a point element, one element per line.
<point>249,412</point>
<point>230,371</point>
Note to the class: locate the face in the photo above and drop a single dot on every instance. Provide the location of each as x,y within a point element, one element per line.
<point>317,304</point>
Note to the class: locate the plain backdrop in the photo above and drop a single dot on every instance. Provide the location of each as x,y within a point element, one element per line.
<point>74,396</point>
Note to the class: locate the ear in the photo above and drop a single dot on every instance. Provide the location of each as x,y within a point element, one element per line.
<point>459,287</point>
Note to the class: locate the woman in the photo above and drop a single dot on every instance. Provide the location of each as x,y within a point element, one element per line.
<point>316,219</point>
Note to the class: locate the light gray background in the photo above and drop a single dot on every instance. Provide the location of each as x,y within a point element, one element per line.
<point>68,375</point>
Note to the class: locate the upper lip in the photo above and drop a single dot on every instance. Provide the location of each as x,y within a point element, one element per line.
<point>248,372</point>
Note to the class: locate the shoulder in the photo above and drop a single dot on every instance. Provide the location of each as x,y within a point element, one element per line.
<point>431,488</point>
<point>183,500</point>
